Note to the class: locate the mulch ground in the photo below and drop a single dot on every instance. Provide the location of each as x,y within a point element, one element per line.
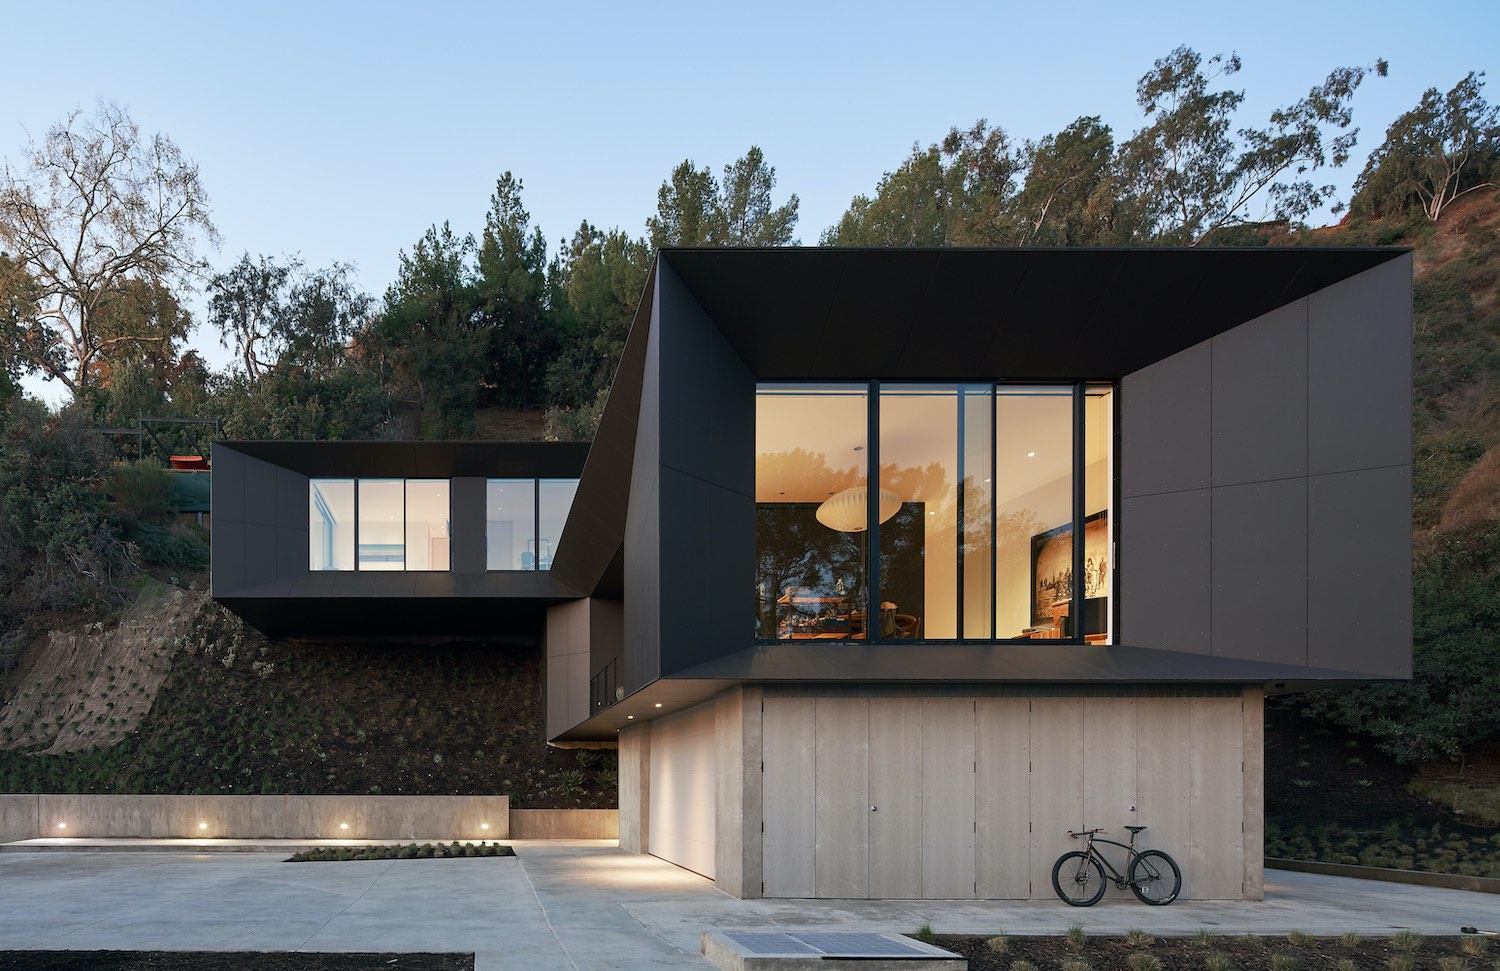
<point>237,960</point>
<point>1243,953</point>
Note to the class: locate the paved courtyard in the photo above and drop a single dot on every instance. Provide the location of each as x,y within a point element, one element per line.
<point>581,905</point>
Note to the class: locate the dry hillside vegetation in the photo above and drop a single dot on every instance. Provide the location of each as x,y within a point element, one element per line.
<point>82,689</point>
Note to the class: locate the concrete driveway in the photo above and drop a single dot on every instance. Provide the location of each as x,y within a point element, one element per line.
<point>581,905</point>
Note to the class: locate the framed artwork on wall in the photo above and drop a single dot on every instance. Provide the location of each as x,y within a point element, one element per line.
<point>1052,565</point>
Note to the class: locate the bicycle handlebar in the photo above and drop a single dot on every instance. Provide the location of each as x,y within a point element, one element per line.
<point>1089,832</point>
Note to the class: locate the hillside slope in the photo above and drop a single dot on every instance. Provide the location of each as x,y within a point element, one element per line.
<point>237,713</point>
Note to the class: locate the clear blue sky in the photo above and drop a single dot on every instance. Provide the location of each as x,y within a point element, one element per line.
<point>342,131</point>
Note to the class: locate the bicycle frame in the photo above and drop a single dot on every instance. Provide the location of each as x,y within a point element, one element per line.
<point>1122,881</point>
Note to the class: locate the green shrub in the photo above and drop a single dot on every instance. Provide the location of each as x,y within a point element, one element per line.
<point>141,490</point>
<point>173,548</point>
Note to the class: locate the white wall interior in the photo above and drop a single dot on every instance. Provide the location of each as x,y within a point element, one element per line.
<point>681,818</point>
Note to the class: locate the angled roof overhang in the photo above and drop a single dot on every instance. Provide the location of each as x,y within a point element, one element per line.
<point>1006,314</point>
<point>957,668</point>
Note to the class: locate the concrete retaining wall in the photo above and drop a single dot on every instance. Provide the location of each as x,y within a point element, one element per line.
<point>564,824</point>
<point>26,816</point>
<point>253,817</point>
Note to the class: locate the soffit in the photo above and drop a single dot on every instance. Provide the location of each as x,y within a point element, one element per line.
<point>809,313</point>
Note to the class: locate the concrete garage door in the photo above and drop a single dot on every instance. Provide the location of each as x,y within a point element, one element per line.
<point>972,797</point>
<point>681,820</point>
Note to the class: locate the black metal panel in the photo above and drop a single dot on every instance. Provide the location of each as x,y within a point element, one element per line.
<point>1165,596</point>
<point>420,460</point>
<point>467,501</point>
<point>227,557</point>
<point>1359,596</point>
<point>227,484</point>
<point>1260,398</point>
<point>707,476</point>
<point>260,493</point>
<point>1260,571</point>
<point>642,520</point>
<point>1166,425</point>
<point>1359,351</point>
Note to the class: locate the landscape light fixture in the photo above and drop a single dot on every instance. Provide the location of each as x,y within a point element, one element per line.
<point>343,825</point>
<point>484,825</point>
<point>62,825</point>
<point>203,826</point>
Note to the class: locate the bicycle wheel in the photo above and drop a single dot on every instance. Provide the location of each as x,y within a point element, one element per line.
<point>1154,878</point>
<point>1078,879</point>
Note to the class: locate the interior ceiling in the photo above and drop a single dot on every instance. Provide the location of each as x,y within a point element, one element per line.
<point>1016,314</point>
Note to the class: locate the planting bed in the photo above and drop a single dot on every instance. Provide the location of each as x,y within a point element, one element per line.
<point>1295,952</point>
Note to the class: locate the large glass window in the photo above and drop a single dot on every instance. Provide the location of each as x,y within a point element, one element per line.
<point>330,509</point>
<point>1033,511</point>
<point>992,514</point>
<point>428,530</point>
<point>510,523</point>
<point>554,499</point>
<point>379,525</point>
<point>935,551</point>
<point>811,516</point>
<point>524,521</point>
<point>382,540</point>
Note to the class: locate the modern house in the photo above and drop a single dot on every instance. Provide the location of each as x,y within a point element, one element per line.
<point>888,567</point>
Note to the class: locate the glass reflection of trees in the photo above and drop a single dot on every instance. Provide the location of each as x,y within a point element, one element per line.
<point>803,569</point>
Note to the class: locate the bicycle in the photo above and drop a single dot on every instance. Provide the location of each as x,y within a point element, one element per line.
<point>1078,876</point>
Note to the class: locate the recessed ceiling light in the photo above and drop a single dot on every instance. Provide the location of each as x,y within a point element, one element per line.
<point>1030,455</point>
<point>658,704</point>
<point>630,716</point>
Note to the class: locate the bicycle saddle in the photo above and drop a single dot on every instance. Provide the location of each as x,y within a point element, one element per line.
<point>1135,829</point>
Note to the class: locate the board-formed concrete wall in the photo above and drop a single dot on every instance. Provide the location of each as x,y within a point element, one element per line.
<point>899,794</point>
<point>255,817</point>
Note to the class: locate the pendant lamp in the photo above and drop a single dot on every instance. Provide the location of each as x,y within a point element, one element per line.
<point>845,511</point>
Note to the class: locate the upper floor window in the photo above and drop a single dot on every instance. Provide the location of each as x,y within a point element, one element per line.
<point>979,493</point>
<point>523,521</point>
<point>378,525</point>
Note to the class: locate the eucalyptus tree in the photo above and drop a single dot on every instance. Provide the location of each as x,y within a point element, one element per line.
<point>1445,147</point>
<point>1190,175</point>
